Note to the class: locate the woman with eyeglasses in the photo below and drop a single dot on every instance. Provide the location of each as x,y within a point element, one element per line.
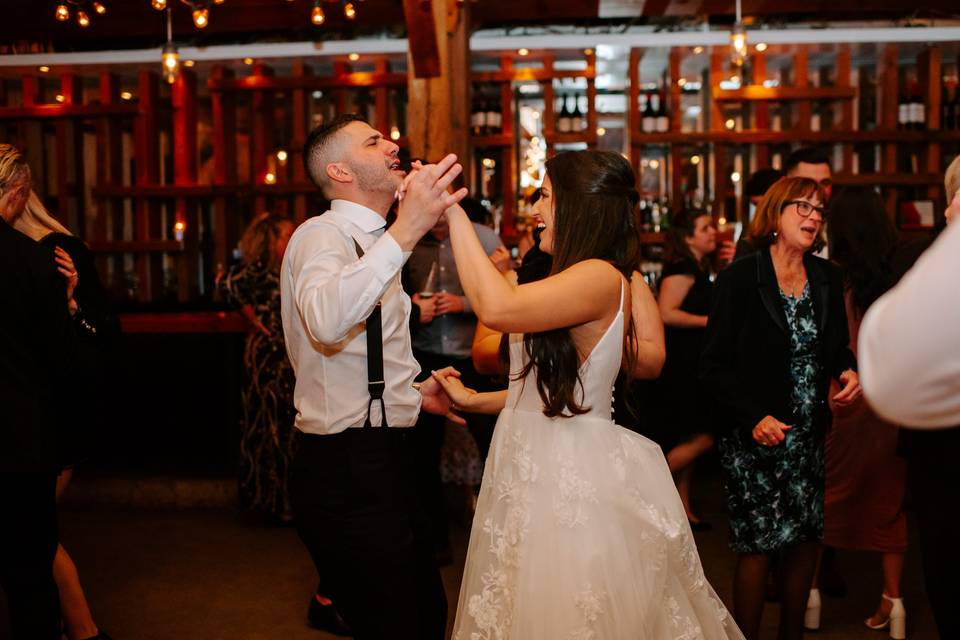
<point>776,337</point>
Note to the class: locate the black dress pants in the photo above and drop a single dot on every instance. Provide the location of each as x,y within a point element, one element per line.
<point>358,513</point>
<point>28,544</point>
<point>933,476</point>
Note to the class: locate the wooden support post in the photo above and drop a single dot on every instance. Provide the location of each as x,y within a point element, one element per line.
<point>69,160</point>
<point>889,100</point>
<point>301,123</point>
<point>721,178</point>
<point>846,107</point>
<point>928,74</point>
<point>673,108</point>
<point>381,110</point>
<point>262,142</point>
<point>801,80</point>
<point>761,110</point>
<point>633,109</point>
<point>184,101</point>
<point>225,217</point>
<point>108,223</point>
<point>147,212</point>
<point>592,96</point>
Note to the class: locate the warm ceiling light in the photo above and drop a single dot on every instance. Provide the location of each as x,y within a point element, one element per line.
<point>159,5</point>
<point>270,178</point>
<point>170,59</point>
<point>83,19</point>
<point>524,51</point>
<point>126,95</point>
<point>682,81</point>
<point>738,40</point>
<point>349,11</point>
<point>188,63</point>
<point>282,156</point>
<point>730,123</point>
<point>697,51</point>
<point>201,18</point>
<point>248,61</point>
<point>761,47</point>
<point>353,57</point>
<point>43,69</point>
<point>63,13</point>
<point>588,52</point>
<point>394,133</point>
<point>654,164</point>
<point>218,1</point>
<point>735,176</point>
<point>60,97</point>
<point>317,16</point>
<point>99,8</point>
<point>601,131</point>
<point>695,160</point>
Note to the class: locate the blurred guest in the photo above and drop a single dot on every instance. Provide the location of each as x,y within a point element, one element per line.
<point>910,355</point>
<point>866,479</point>
<point>36,352</point>
<point>97,329</point>
<point>686,291</point>
<point>266,431</point>
<point>813,163</point>
<point>443,338</point>
<point>776,336</point>
<point>951,183</point>
<point>753,190</point>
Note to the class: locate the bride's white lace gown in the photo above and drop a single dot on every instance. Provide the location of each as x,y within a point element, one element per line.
<point>579,532</point>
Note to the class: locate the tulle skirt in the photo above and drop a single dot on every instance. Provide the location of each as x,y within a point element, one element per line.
<point>579,534</point>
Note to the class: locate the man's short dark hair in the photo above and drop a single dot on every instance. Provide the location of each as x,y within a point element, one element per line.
<point>810,155</point>
<point>759,181</point>
<point>318,138</point>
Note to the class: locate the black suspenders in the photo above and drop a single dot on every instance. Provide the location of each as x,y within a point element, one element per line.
<point>375,380</point>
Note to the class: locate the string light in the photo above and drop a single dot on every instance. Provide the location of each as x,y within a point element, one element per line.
<point>523,51</point>
<point>353,57</point>
<point>349,11</point>
<point>60,97</point>
<point>159,5</point>
<point>126,95</point>
<point>170,58</point>
<point>63,13</point>
<point>317,16</point>
<point>43,69</point>
<point>201,18</point>
<point>99,8</point>
<point>83,19</point>
<point>282,156</point>
<point>270,178</point>
<point>83,8</point>
<point>188,63</point>
<point>761,47</point>
<point>394,133</point>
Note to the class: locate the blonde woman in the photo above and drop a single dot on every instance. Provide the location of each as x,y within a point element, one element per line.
<point>97,327</point>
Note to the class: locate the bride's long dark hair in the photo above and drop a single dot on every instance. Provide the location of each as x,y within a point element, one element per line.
<point>595,207</point>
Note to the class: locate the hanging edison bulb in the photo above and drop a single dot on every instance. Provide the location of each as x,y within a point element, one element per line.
<point>63,13</point>
<point>317,16</point>
<point>83,19</point>
<point>201,18</point>
<point>349,11</point>
<point>99,8</point>
<point>170,59</point>
<point>159,5</point>
<point>218,1</point>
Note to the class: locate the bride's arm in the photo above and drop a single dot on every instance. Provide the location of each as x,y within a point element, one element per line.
<point>468,400</point>
<point>574,296</point>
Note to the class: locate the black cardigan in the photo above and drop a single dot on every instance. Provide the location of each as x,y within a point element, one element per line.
<point>746,360</point>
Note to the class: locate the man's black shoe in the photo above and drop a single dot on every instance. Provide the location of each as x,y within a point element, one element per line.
<point>325,618</point>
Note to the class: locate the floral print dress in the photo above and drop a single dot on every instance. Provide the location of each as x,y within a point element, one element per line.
<point>775,494</point>
<point>266,430</point>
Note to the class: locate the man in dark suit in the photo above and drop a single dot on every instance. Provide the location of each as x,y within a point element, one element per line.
<point>35,343</point>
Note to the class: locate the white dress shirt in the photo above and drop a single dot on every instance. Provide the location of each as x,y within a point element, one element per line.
<point>326,295</point>
<point>910,342</point>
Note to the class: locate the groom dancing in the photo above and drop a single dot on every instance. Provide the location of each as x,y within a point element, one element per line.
<point>345,321</point>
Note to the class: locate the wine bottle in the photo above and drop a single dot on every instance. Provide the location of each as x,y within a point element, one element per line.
<point>903,111</point>
<point>918,110</point>
<point>663,120</point>
<point>649,120</point>
<point>581,117</point>
<point>493,117</point>
<point>478,117</point>
<point>565,122</point>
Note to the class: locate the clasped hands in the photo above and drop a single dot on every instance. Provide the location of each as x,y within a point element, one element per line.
<point>770,432</point>
<point>442,393</point>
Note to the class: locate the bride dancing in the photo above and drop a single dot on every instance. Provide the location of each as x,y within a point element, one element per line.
<point>579,532</point>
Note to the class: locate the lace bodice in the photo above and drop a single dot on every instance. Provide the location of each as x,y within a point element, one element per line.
<point>597,373</point>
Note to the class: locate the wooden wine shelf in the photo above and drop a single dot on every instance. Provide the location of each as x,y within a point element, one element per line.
<point>196,322</point>
<point>308,83</point>
<point>778,137</point>
<point>48,111</point>
<point>499,140</point>
<point>888,179</point>
<point>759,92</point>
<point>590,137</point>
<point>137,246</point>
<point>653,237</point>
<point>527,74</point>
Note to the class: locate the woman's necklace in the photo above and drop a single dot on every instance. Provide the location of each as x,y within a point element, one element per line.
<point>791,283</point>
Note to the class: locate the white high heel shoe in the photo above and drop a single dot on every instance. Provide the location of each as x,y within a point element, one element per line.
<point>811,619</point>
<point>897,620</point>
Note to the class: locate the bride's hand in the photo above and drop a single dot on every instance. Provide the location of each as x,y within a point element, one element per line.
<point>435,400</point>
<point>459,395</point>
